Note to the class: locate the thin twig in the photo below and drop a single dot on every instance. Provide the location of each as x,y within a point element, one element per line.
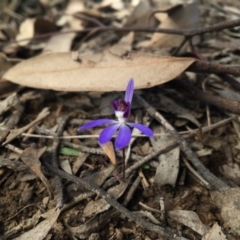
<point>207,106</point>
<point>58,180</point>
<point>88,18</point>
<point>78,199</point>
<point>233,82</point>
<point>226,104</point>
<point>29,205</point>
<point>215,182</point>
<point>82,136</point>
<point>123,164</point>
<point>176,50</point>
<point>149,208</point>
<point>163,212</point>
<point>195,51</point>
<point>204,130</point>
<point>208,67</point>
<point>185,32</point>
<point>196,174</point>
<point>132,190</point>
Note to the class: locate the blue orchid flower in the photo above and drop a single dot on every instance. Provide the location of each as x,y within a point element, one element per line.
<point>122,109</point>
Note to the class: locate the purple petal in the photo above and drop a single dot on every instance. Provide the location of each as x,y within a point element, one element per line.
<point>144,129</point>
<point>96,123</point>
<point>123,138</point>
<point>129,92</point>
<point>107,134</point>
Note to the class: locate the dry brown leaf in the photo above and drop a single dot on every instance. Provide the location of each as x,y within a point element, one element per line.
<point>215,233</point>
<point>16,132</point>
<point>68,18</point>
<point>9,102</point>
<point>182,17</point>
<point>190,219</point>
<point>114,4</point>
<point>30,156</point>
<point>79,162</point>
<point>123,46</point>
<point>5,63</point>
<point>45,2</point>
<point>14,165</point>
<point>59,71</point>
<point>41,230</point>
<point>168,163</point>
<point>7,88</point>
<point>139,16</point>
<point>27,193</point>
<point>32,26</point>
<point>60,43</point>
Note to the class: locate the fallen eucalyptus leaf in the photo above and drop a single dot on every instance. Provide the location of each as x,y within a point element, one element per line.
<point>189,219</point>
<point>168,163</point>
<point>40,231</point>
<point>96,72</point>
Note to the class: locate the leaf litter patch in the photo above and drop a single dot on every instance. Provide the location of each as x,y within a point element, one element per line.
<point>71,49</point>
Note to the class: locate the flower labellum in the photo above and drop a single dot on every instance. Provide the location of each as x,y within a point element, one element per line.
<point>122,109</point>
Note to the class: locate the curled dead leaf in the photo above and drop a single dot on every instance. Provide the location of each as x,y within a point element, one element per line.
<point>178,17</point>
<point>30,156</point>
<point>33,26</point>
<point>97,72</point>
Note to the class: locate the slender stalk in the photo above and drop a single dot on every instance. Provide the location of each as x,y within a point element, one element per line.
<point>123,164</point>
